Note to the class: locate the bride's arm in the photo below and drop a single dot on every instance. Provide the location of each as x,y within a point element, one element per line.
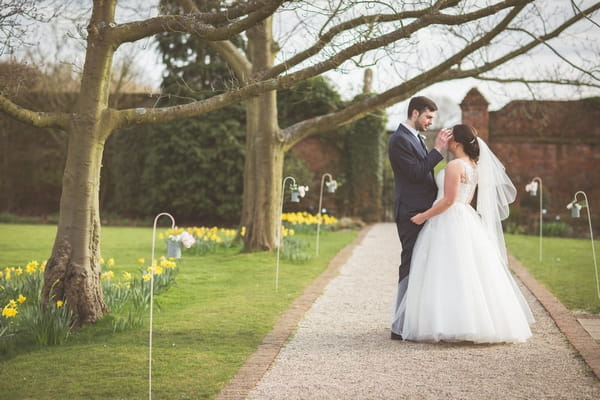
<point>451,187</point>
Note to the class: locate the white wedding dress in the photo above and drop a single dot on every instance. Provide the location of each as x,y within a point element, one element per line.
<point>459,288</point>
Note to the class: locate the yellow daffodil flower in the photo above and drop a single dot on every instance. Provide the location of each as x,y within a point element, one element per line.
<point>9,312</point>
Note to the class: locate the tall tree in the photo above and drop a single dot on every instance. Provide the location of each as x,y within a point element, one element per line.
<point>480,38</point>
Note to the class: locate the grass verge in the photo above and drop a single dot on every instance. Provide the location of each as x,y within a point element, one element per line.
<point>209,322</point>
<point>567,268</point>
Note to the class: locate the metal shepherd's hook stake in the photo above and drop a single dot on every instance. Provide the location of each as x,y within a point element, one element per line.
<point>279,229</point>
<point>575,207</point>
<point>532,189</point>
<point>331,186</point>
<point>152,298</point>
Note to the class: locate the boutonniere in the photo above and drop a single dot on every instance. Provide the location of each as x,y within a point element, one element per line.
<point>422,136</point>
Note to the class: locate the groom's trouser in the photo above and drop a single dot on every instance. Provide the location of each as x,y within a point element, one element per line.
<point>408,232</point>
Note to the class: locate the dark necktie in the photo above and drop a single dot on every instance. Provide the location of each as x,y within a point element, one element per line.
<point>422,142</point>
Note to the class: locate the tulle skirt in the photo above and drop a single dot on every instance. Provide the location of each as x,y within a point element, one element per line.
<point>458,288</point>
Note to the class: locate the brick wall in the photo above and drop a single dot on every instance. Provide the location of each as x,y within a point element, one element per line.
<point>558,141</point>
<point>320,157</point>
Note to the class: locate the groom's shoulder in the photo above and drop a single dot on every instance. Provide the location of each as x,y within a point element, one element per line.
<point>400,134</point>
<point>401,129</point>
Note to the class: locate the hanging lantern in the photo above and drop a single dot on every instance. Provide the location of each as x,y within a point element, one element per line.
<point>576,211</point>
<point>295,197</point>
<point>173,249</point>
<point>532,188</point>
<point>331,186</point>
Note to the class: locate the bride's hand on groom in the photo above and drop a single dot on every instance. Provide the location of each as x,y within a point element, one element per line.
<point>418,219</point>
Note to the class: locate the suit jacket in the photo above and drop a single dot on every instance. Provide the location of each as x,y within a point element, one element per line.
<point>415,188</point>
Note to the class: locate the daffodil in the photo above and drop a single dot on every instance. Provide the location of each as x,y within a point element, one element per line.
<point>126,276</point>
<point>156,270</point>
<point>21,299</point>
<point>31,268</point>
<point>59,303</point>
<point>9,311</point>
<point>108,275</point>
<point>140,260</point>
<point>111,262</point>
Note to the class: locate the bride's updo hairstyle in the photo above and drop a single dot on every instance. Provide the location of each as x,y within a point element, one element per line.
<point>467,136</point>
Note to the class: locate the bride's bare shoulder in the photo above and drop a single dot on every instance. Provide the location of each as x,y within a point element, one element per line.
<point>455,164</point>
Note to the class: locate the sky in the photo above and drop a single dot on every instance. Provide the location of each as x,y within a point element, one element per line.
<point>348,79</point>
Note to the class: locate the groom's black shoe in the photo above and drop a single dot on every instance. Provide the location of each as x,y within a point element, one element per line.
<point>395,336</point>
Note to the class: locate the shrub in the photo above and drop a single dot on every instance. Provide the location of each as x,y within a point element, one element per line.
<point>558,228</point>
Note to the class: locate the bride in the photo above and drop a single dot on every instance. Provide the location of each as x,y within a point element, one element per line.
<point>460,288</point>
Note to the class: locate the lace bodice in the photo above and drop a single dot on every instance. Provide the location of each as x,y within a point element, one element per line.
<point>467,186</point>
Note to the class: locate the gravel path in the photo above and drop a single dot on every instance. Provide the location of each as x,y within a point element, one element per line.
<point>342,348</point>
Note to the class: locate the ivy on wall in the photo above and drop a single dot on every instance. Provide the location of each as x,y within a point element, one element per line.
<point>364,158</point>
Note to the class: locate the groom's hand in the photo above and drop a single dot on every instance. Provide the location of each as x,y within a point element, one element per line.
<point>441,140</point>
<point>418,219</point>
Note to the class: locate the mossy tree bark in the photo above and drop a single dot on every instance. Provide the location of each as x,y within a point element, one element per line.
<point>263,168</point>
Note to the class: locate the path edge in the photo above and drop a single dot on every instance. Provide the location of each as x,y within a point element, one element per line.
<point>566,322</point>
<point>260,361</point>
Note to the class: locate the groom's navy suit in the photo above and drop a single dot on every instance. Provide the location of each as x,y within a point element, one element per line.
<point>415,191</point>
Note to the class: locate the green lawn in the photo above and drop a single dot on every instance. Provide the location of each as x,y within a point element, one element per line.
<point>213,318</point>
<point>567,268</point>
<point>209,322</point>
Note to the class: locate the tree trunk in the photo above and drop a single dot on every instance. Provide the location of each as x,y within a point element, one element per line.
<point>261,205</point>
<point>73,270</point>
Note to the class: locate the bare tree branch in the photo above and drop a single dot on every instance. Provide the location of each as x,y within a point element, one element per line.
<point>298,131</point>
<point>38,119</point>
<point>403,32</point>
<point>239,62</point>
<point>327,37</point>
<point>537,41</point>
<point>202,24</point>
<point>15,16</point>
<point>564,82</point>
<point>529,46</point>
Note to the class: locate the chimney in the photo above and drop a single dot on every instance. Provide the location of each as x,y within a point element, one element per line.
<point>475,112</point>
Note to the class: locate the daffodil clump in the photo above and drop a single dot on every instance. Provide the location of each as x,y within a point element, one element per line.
<point>297,249</point>
<point>207,240</point>
<point>128,295</point>
<point>307,222</point>
<point>22,313</point>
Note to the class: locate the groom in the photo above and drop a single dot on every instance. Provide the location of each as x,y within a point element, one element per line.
<point>415,188</point>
